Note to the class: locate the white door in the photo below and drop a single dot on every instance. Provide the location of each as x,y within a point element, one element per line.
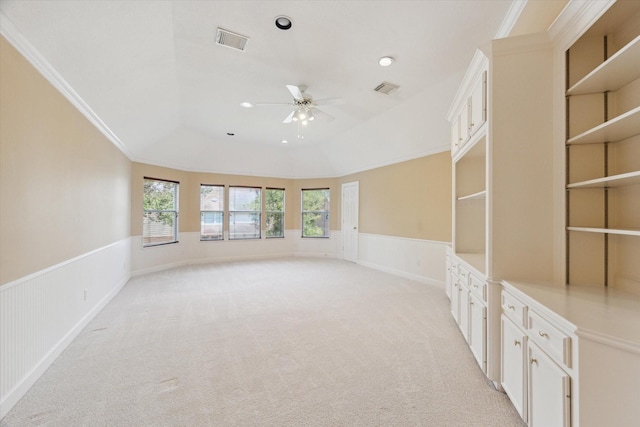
<point>350,201</point>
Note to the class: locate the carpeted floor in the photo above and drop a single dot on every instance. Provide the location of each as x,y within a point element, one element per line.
<point>286,342</point>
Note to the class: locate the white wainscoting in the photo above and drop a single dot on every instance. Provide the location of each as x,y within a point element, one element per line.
<point>42,313</point>
<point>422,260</point>
<point>190,250</point>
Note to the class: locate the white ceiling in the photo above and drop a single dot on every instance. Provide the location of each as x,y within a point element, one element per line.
<point>151,73</point>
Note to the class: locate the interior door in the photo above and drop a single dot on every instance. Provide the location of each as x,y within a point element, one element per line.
<point>350,202</point>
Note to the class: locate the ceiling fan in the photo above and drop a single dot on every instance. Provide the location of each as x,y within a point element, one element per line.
<point>305,108</point>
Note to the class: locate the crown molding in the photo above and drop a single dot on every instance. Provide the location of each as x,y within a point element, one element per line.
<point>13,35</point>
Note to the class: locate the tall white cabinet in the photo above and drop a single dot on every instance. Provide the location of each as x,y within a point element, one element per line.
<point>546,201</point>
<point>494,205</point>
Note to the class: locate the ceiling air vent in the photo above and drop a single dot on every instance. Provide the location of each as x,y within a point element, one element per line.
<point>233,40</point>
<point>386,88</point>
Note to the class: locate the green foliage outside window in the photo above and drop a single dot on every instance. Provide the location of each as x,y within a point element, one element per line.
<point>160,217</point>
<point>274,209</point>
<point>315,213</point>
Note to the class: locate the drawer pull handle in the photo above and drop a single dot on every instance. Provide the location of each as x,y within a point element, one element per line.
<point>475,286</point>
<point>534,361</point>
<point>510,307</point>
<point>516,343</point>
<point>543,334</point>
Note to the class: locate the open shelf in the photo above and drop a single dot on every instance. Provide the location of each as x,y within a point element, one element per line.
<point>625,232</point>
<point>616,129</point>
<point>480,195</point>
<point>616,72</point>
<point>621,180</point>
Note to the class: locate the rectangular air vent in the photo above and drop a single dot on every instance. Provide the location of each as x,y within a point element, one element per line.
<point>233,40</point>
<point>386,88</point>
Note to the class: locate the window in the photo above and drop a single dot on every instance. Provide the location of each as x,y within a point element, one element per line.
<point>315,213</point>
<point>211,212</point>
<point>160,217</point>
<point>245,208</point>
<point>274,211</point>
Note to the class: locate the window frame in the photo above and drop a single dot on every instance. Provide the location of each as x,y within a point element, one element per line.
<point>175,212</point>
<point>267,212</point>
<point>203,211</point>
<point>231,212</point>
<point>326,212</point>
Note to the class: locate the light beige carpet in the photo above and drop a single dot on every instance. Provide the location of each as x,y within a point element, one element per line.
<point>286,342</point>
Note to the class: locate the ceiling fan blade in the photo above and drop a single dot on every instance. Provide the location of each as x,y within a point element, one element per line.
<point>261,104</point>
<point>321,114</point>
<point>295,91</point>
<point>330,101</point>
<point>289,118</point>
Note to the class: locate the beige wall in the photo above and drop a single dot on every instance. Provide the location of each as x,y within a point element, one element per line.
<point>410,199</point>
<point>64,188</point>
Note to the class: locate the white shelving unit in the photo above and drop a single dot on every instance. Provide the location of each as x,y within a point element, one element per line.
<point>606,150</point>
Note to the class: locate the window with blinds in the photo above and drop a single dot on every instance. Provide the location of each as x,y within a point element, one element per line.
<point>160,212</point>
<point>274,212</point>
<point>211,212</point>
<point>315,212</point>
<point>245,212</point>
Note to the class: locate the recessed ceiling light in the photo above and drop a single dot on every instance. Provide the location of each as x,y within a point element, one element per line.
<point>284,141</point>
<point>283,22</point>
<point>385,61</point>
<point>246,104</point>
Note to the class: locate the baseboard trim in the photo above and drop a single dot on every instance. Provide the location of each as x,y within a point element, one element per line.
<point>403,274</point>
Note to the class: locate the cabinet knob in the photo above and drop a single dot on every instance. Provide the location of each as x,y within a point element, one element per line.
<point>543,334</point>
<point>516,343</point>
<point>534,361</point>
<point>510,307</point>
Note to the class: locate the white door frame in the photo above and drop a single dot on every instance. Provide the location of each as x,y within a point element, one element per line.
<point>350,211</point>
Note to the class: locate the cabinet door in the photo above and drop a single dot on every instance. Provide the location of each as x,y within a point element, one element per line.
<point>455,300</point>
<point>464,312</point>
<point>478,104</point>
<point>513,372</point>
<point>455,135</point>
<point>477,330</point>
<point>549,391</point>
<point>463,119</point>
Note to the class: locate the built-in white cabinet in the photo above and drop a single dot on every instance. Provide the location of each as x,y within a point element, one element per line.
<point>471,112</point>
<point>545,149</point>
<point>468,307</point>
<point>536,356</point>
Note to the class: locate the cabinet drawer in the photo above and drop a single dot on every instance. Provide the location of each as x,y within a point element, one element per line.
<point>478,287</point>
<point>514,309</point>
<point>550,339</point>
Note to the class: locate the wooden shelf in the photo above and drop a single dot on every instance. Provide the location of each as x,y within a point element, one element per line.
<point>624,232</point>
<point>630,178</point>
<point>480,195</point>
<point>616,72</point>
<point>616,129</point>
